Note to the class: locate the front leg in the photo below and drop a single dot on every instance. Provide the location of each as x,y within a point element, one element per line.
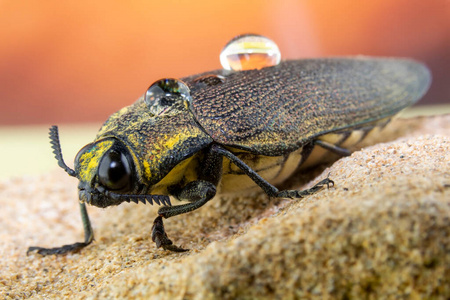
<point>88,238</point>
<point>198,193</point>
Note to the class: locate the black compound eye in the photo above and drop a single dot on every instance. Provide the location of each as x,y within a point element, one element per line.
<point>114,171</point>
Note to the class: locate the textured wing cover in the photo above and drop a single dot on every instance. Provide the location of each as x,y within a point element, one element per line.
<point>277,109</point>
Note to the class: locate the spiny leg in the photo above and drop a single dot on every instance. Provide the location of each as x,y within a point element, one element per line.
<point>88,238</point>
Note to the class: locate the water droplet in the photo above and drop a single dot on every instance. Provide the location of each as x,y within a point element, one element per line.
<point>248,52</point>
<point>167,96</point>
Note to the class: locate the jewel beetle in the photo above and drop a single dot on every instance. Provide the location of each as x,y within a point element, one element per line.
<point>229,131</point>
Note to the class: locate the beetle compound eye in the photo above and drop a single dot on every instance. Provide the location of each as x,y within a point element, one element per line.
<point>167,96</point>
<point>248,52</point>
<point>114,171</point>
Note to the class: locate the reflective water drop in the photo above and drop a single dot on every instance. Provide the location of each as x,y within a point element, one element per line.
<point>248,52</point>
<point>167,96</point>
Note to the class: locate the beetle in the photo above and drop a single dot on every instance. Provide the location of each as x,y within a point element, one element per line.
<point>230,131</point>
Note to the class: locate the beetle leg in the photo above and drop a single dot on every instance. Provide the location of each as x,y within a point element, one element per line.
<point>302,194</point>
<point>266,186</point>
<point>198,192</point>
<point>159,236</point>
<point>333,148</point>
<point>88,238</point>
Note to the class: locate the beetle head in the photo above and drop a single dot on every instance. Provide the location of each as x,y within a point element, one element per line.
<point>137,147</point>
<point>106,172</point>
<point>103,167</point>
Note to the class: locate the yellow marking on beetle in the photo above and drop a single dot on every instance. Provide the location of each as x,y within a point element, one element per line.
<point>133,140</point>
<point>90,160</point>
<point>172,141</point>
<point>166,143</point>
<point>147,169</point>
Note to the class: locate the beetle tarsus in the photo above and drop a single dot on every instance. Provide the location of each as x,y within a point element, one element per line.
<point>72,248</point>
<point>302,194</point>
<point>88,238</point>
<point>174,248</point>
<point>159,236</point>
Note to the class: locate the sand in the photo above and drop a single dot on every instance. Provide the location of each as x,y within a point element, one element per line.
<point>383,231</point>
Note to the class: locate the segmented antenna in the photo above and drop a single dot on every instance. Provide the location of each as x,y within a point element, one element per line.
<point>54,141</point>
<point>158,199</point>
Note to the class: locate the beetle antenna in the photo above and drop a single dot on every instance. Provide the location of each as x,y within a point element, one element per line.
<point>56,146</point>
<point>158,199</point>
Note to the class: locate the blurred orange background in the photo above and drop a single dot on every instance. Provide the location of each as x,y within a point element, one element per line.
<point>80,61</point>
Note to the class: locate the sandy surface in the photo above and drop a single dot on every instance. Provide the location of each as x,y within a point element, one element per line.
<point>383,231</point>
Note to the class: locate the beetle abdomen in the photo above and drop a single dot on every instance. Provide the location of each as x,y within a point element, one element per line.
<point>276,169</point>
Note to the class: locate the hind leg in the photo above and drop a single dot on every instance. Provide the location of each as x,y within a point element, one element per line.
<point>268,188</point>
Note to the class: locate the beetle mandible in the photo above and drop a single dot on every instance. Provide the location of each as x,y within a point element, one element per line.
<point>233,130</point>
